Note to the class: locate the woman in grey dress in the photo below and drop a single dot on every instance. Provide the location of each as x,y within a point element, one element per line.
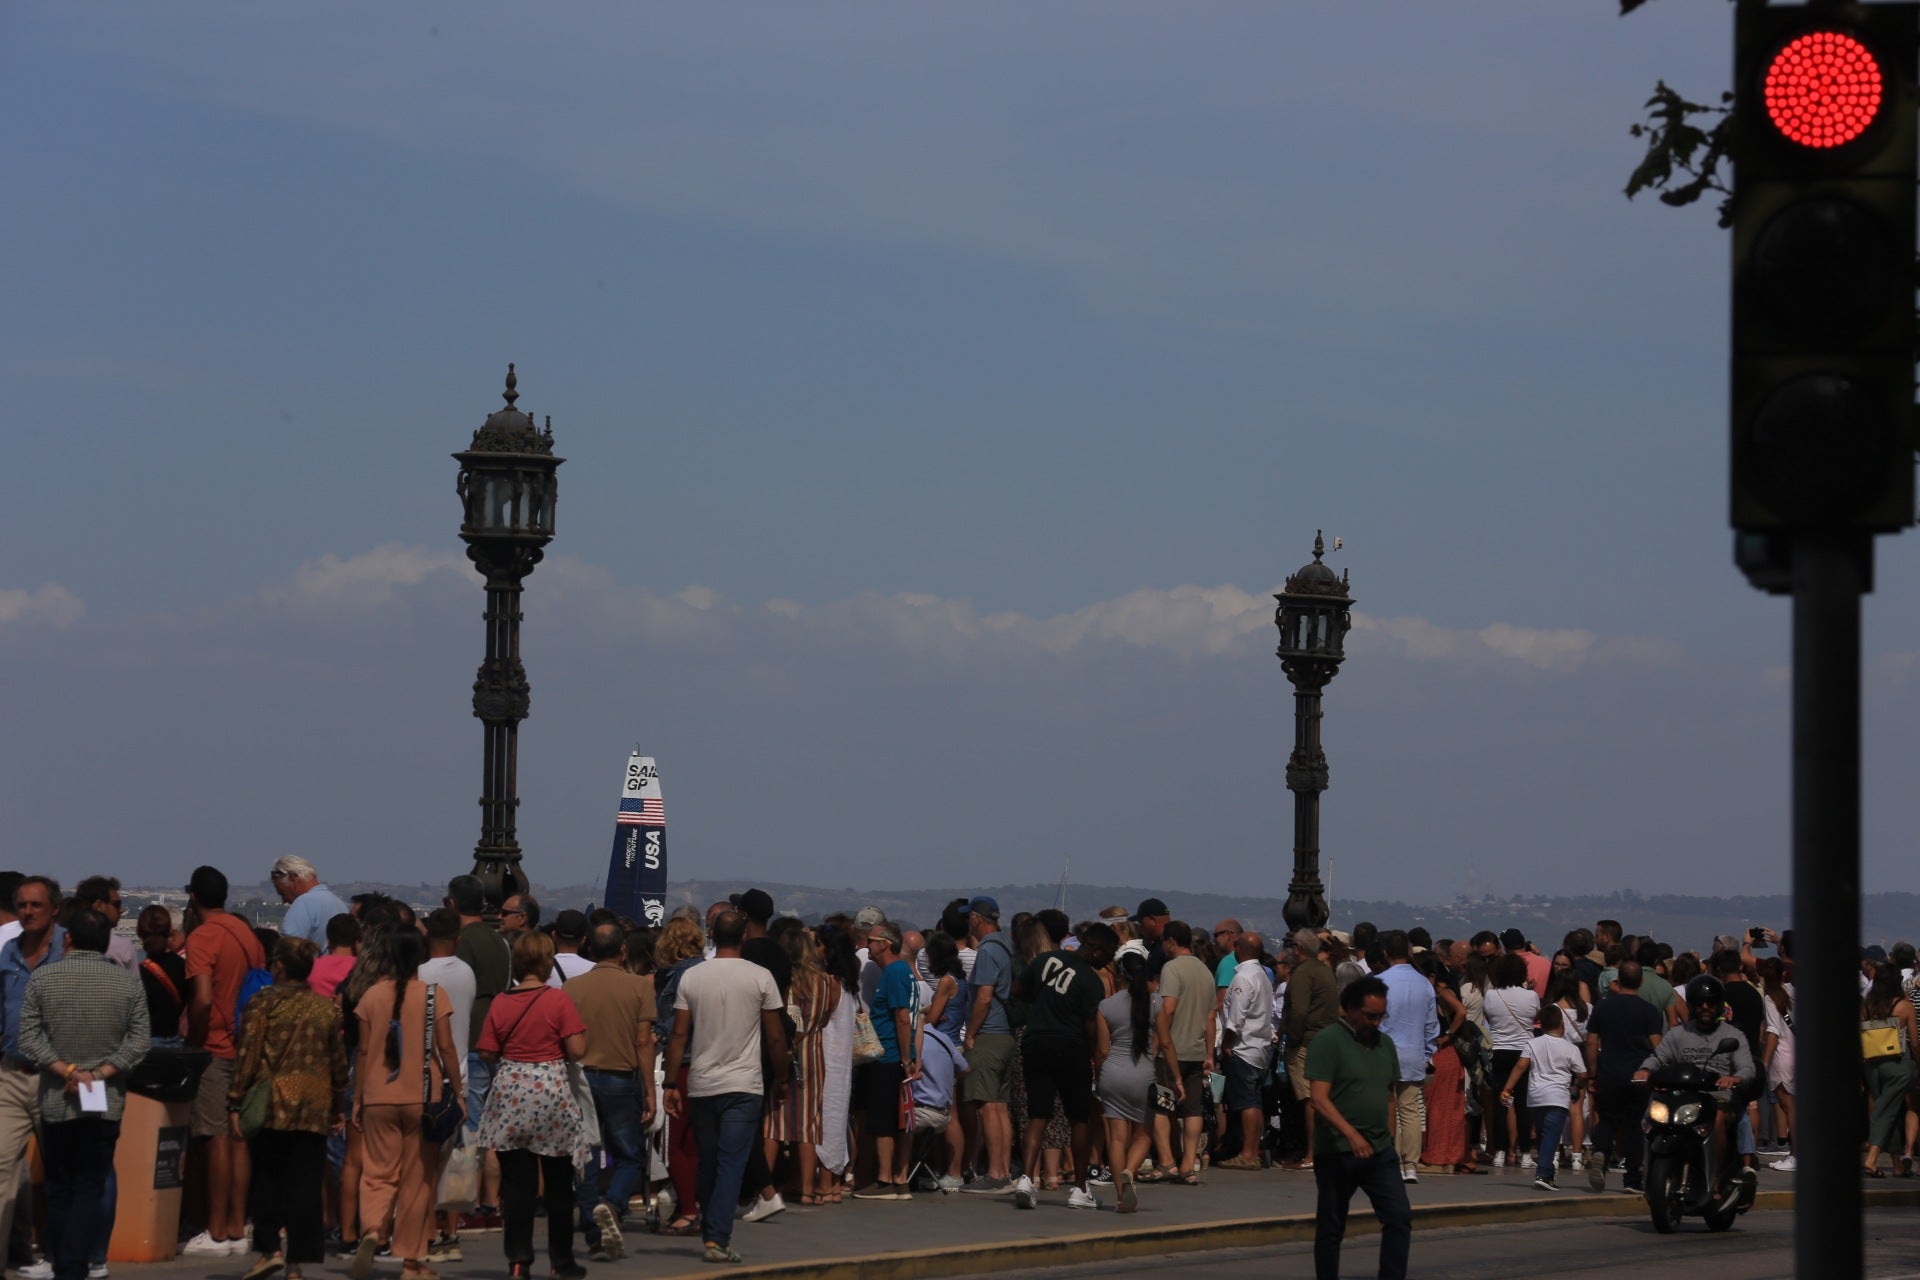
<point>1124,1054</point>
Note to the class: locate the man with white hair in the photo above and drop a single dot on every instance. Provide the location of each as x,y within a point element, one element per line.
<point>310,904</point>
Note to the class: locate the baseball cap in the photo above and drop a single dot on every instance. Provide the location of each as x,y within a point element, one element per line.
<point>1512,940</point>
<point>985,906</point>
<point>1151,907</point>
<point>570,924</point>
<point>869,916</point>
<point>755,904</point>
<point>1132,947</point>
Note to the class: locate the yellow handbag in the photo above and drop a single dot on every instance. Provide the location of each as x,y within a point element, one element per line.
<point>1879,1040</point>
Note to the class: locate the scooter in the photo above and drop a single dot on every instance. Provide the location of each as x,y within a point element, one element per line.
<point>1683,1176</point>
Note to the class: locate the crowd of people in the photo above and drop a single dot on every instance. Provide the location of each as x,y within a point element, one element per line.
<point>381,1082</point>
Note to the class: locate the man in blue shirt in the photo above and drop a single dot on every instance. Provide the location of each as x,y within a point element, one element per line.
<point>989,1046</point>
<point>39,942</point>
<point>310,904</point>
<point>895,1011</point>
<point>1413,1024</point>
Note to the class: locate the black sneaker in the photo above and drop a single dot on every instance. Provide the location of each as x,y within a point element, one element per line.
<point>569,1271</point>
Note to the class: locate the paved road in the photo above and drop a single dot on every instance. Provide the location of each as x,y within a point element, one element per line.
<point>1760,1247</point>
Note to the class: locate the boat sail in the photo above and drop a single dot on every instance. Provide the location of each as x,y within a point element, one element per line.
<point>637,869</point>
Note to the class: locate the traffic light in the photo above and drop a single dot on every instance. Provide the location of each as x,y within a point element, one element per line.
<point>1823,268</point>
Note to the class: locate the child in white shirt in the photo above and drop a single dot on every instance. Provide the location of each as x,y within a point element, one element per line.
<point>1559,1072</point>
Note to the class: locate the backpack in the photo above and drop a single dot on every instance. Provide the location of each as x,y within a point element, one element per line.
<point>258,979</point>
<point>1015,1010</point>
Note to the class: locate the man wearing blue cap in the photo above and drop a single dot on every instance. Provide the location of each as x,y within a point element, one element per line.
<point>989,1045</point>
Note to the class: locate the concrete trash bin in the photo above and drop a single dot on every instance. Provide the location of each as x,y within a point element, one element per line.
<point>148,1160</point>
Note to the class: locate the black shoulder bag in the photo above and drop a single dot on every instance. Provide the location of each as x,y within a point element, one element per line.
<point>439,1118</point>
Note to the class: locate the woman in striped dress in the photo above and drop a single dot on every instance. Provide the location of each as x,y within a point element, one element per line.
<point>811,1000</point>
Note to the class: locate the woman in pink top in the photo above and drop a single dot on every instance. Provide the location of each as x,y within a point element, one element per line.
<point>532,1031</point>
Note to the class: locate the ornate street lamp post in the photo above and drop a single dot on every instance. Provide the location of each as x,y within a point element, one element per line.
<point>507,488</point>
<point>1313,617</point>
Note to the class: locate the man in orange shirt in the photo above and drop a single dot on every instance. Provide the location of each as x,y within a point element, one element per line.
<point>220,951</point>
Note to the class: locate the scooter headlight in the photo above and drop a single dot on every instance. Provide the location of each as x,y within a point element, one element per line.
<point>1687,1114</point>
<point>1658,1113</point>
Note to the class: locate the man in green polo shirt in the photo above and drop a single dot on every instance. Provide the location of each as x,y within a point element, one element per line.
<point>1351,1069</point>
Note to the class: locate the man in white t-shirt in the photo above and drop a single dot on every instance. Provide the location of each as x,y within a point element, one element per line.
<point>453,976</point>
<point>1558,1072</point>
<point>569,931</point>
<point>724,1010</point>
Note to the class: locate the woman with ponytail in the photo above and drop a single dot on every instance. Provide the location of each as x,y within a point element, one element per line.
<point>392,1077</point>
<point>1124,1054</point>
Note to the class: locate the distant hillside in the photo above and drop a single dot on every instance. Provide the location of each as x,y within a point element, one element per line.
<point>1686,922</point>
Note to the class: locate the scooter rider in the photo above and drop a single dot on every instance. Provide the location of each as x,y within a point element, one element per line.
<point>1699,1041</point>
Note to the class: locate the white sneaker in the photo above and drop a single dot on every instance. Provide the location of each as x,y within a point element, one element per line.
<point>1527,1161</point>
<point>612,1242</point>
<point>949,1183</point>
<point>204,1246</point>
<point>41,1270</point>
<point>1499,1159</point>
<point>1578,1164</point>
<point>764,1208</point>
<point>1082,1198</point>
<point>97,1271</point>
<point>1784,1166</point>
<point>1409,1174</point>
<point>1023,1194</point>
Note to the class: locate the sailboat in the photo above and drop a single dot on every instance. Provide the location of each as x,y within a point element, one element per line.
<point>637,868</point>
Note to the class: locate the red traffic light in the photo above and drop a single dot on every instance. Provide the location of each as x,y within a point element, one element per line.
<point>1823,89</point>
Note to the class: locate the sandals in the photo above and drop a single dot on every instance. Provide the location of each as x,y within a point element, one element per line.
<point>1152,1175</point>
<point>1872,1171</point>
<point>1191,1178</point>
<point>681,1227</point>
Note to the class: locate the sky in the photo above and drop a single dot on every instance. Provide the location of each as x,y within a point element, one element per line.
<point>944,391</point>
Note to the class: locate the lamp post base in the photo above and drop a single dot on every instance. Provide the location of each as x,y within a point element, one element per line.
<point>1306,905</point>
<point>499,870</point>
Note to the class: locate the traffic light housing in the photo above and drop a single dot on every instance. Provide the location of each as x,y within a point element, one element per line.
<point>1824,142</point>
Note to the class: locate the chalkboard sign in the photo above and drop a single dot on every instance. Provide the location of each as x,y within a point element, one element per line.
<point>169,1153</point>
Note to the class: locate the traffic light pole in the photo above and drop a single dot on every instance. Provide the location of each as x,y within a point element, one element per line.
<point>1830,573</point>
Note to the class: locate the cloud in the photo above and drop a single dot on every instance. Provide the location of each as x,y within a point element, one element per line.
<point>356,585</point>
<point>1562,651</point>
<point>47,605</point>
<point>1186,622</point>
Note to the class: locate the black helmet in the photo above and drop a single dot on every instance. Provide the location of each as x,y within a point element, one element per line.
<point>1707,995</point>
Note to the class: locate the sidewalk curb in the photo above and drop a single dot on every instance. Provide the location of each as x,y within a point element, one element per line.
<point>1232,1233</point>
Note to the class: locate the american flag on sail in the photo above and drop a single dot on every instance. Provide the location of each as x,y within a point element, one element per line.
<point>651,812</point>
